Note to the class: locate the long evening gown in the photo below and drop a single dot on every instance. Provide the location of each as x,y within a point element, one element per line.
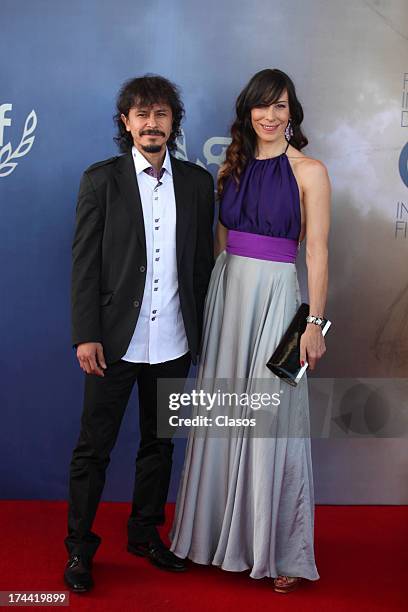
<point>246,502</point>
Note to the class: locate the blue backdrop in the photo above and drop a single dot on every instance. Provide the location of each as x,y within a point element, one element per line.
<point>66,61</point>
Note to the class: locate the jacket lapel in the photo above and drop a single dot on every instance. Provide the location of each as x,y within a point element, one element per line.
<point>184,195</point>
<point>129,191</point>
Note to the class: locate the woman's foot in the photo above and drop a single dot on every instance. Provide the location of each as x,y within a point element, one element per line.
<point>285,584</point>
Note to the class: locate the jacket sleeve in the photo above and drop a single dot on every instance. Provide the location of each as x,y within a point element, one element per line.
<point>204,256</point>
<point>86,266</point>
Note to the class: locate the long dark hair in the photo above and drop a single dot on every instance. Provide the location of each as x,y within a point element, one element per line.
<point>146,91</point>
<point>264,88</point>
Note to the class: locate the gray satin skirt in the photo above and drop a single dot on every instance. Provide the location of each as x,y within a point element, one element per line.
<point>247,502</point>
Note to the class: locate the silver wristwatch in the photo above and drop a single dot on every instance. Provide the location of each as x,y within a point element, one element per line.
<point>316,320</point>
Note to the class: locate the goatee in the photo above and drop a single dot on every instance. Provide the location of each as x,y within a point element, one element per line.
<point>151,148</point>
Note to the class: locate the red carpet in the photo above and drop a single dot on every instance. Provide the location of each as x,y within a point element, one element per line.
<point>361,556</point>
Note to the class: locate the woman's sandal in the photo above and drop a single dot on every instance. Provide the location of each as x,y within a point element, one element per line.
<point>285,584</point>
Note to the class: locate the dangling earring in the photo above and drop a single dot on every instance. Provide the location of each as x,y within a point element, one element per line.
<point>289,131</point>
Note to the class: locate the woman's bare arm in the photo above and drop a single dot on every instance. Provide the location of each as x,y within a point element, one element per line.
<point>317,192</point>
<point>220,239</point>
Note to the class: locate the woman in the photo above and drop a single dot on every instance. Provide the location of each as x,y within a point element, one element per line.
<point>245,501</point>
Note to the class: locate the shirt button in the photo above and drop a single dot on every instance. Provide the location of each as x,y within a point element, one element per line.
<point>142,268</point>
<point>155,289</point>
<point>157,220</point>
<point>154,311</point>
<point>136,304</point>
<point>153,318</point>
<point>156,258</point>
<point>156,228</point>
<point>156,280</point>
<point>157,250</point>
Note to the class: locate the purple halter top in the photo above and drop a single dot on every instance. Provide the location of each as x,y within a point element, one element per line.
<point>263,216</point>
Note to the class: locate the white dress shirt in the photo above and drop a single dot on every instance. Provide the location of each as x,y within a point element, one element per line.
<point>159,334</point>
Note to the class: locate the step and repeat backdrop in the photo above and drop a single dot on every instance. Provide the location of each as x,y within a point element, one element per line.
<point>61,65</point>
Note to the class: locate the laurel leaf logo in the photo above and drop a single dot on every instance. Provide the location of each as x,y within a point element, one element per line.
<point>24,147</point>
<point>6,169</point>
<point>5,153</point>
<point>26,142</point>
<point>30,124</point>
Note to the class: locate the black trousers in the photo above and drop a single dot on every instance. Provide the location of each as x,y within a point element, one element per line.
<point>105,401</point>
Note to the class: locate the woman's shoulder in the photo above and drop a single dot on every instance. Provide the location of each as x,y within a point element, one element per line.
<point>307,167</point>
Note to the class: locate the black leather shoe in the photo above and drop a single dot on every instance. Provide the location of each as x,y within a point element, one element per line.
<point>159,555</point>
<point>78,575</point>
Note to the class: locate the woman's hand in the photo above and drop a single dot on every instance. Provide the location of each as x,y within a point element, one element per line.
<point>312,345</point>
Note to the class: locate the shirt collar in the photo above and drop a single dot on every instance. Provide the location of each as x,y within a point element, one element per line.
<point>141,163</point>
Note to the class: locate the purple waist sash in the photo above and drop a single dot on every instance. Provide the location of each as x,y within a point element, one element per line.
<point>262,247</point>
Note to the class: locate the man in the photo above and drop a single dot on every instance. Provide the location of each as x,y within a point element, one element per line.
<point>142,260</point>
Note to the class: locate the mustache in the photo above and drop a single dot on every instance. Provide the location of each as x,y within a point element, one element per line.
<point>151,133</point>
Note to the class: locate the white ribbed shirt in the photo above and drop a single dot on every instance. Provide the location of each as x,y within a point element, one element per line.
<point>159,333</point>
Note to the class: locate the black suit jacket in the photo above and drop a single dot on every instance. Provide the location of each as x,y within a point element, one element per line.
<point>109,252</point>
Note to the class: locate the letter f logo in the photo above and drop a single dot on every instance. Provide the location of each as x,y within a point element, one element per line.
<point>4,121</point>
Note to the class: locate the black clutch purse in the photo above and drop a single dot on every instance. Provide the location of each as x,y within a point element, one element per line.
<point>285,361</point>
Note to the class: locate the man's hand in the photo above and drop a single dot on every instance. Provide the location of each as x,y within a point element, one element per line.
<point>90,357</point>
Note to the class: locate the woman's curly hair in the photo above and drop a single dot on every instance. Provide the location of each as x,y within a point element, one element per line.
<point>146,91</point>
<point>263,89</point>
